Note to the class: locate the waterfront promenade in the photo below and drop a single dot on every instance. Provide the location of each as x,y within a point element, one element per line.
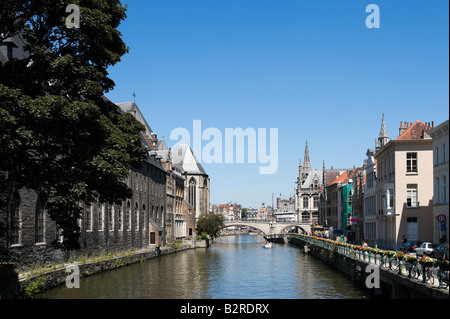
<point>398,276</point>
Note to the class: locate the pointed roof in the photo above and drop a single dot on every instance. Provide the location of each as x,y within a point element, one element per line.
<point>184,157</point>
<point>415,131</point>
<point>312,176</point>
<point>306,160</point>
<point>131,107</point>
<point>383,131</point>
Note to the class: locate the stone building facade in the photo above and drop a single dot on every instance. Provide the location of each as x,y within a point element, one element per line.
<point>180,216</point>
<point>136,223</point>
<point>197,183</point>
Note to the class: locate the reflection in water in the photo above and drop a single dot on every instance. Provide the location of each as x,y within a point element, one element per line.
<point>236,267</point>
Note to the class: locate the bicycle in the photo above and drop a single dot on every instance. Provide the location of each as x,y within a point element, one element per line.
<point>443,277</point>
<point>429,276</point>
<point>416,270</point>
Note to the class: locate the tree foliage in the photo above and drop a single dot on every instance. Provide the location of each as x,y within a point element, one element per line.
<point>59,135</point>
<point>210,224</point>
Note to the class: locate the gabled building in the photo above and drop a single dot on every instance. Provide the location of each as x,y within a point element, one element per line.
<point>180,216</point>
<point>197,184</point>
<point>309,187</point>
<point>404,186</point>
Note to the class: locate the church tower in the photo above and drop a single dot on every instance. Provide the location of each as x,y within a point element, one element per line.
<point>383,137</point>
<point>306,164</point>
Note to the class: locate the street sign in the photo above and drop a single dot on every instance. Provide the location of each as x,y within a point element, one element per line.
<point>443,226</point>
<point>441,218</point>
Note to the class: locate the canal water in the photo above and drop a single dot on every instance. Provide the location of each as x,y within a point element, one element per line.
<point>234,267</point>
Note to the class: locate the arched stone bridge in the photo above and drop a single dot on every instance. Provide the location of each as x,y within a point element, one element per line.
<point>269,228</point>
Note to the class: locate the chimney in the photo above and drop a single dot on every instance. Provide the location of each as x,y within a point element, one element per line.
<point>402,128</point>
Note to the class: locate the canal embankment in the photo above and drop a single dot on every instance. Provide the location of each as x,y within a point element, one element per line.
<point>393,284</point>
<point>35,281</point>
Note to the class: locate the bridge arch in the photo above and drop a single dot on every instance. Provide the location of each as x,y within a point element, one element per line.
<point>298,227</point>
<point>240,225</point>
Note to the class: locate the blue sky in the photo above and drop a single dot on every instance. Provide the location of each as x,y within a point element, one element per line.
<point>312,69</point>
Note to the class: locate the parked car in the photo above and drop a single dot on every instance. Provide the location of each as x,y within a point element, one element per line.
<point>425,249</point>
<point>410,246</point>
<point>440,251</point>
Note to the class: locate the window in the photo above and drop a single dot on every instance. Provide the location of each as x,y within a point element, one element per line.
<point>443,153</point>
<point>120,217</point>
<point>39,223</point>
<point>192,192</point>
<point>88,212</point>
<point>305,218</point>
<point>389,198</point>
<point>444,189</point>
<point>144,216</point>
<point>411,195</point>
<point>152,238</point>
<point>436,190</point>
<point>411,162</point>
<point>136,217</point>
<point>15,219</point>
<point>316,184</point>
<point>412,229</point>
<point>110,217</point>
<point>316,201</point>
<point>305,202</point>
<point>101,217</point>
<point>128,215</point>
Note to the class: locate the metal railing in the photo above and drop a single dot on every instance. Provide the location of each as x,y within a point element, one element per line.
<point>433,272</point>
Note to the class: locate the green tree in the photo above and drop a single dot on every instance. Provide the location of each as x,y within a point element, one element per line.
<point>244,213</point>
<point>210,224</point>
<point>59,135</point>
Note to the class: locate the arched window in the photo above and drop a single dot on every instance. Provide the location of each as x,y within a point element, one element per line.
<point>192,192</point>
<point>15,219</point>
<point>136,217</point>
<point>39,223</point>
<point>144,217</point>
<point>316,184</point>
<point>128,215</point>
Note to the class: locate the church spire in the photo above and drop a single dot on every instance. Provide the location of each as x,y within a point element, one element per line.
<point>383,137</point>
<point>306,160</point>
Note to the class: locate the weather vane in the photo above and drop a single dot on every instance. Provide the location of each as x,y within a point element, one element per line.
<point>134,96</point>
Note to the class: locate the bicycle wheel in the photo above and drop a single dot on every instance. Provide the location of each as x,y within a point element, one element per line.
<point>443,275</point>
<point>384,261</point>
<point>394,264</point>
<point>430,277</point>
<point>445,279</point>
<point>418,270</point>
<point>415,271</point>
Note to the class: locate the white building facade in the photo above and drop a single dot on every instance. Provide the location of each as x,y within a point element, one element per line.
<point>441,175</point>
